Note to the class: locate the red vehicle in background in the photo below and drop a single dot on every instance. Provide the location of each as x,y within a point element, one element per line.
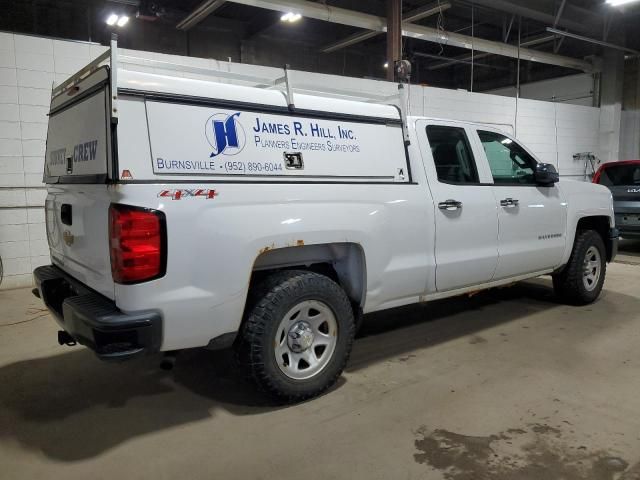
<point>623,179</point>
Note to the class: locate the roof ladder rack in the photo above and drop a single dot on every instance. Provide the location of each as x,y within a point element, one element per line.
<point>290,103</point>
<point>113,52</point>
<point>285,83</point>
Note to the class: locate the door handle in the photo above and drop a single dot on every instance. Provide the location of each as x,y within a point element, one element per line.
<point>509,202</point>
<point>450,205</point>
<point>65,214</point>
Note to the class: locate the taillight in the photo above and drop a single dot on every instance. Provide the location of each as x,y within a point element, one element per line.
<point>137,243</point>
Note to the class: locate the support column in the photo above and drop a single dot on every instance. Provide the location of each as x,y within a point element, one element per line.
<point>630,118</point>
<point>394,36</point>
<point>611,83</point>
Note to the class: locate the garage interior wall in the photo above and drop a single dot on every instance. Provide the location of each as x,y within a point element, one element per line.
<point>29,65</point>
<point>630,135</point>
<point>630,121</point>
<point>574,89</point>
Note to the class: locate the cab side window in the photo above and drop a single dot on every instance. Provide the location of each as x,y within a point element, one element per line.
<point>452,155</point>
<point>509,162</point>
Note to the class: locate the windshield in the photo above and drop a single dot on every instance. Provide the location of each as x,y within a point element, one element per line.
<point>617,175</point>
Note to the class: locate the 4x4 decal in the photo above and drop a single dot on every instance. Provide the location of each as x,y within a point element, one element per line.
<point>178,194</point>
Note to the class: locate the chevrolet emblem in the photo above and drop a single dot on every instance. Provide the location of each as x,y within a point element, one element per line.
<point>68,237</point>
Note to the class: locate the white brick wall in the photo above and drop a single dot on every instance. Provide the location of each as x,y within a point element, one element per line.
<point>29,66</point>
<point>630,135</point>
<point>573,89</point>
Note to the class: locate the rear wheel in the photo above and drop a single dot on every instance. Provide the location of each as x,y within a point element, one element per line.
<point>581,280</point>
<point>297,336</point>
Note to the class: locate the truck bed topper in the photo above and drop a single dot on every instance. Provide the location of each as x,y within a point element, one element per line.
<point>267,118</point>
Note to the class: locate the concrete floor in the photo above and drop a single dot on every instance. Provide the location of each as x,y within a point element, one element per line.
<point>505,385</point>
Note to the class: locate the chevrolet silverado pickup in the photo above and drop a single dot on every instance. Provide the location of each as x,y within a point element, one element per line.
<point>188,213</point>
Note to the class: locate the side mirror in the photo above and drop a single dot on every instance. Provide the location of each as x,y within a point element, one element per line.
<point>546,174</point>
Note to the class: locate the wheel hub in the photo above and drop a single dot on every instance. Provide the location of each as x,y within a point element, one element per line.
<point>300,337</point>
<point>306,339</point>
<point>591,269</point>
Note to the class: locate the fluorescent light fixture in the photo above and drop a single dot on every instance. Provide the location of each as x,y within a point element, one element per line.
<point>506,141</point>
<point>115,19</point>
<point>617,3</point>
<point>290,17</point>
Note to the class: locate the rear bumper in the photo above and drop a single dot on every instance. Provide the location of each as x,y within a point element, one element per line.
<point>612,247</point>
<point>94,321</point>
<point>629,231</point>
<point>628,227</point>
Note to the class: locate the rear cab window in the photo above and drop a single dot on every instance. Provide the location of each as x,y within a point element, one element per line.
<point>452,155</point>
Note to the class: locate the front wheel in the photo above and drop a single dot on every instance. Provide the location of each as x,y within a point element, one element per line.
<point>297,335</point>
<point>581,281</point>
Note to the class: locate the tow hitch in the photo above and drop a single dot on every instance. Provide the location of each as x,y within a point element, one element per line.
<point>65,339</point>
<point>168,360</point>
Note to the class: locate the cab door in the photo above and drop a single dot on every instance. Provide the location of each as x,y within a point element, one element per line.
<point>466,223</point>
<point>531,218</point>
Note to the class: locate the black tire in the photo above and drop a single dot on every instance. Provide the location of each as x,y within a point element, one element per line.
<point>267,306</point>
<point>568,284</point>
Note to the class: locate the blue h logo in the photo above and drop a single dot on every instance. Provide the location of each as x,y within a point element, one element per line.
<point>225,134</point>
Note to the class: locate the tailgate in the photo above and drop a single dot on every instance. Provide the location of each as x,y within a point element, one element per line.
<point>77,167</point>
<point>77,219</point>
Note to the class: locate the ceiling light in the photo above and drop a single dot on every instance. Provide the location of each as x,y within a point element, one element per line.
<point>617,3</point>
<point>112,19</point>
<point>115,19</point>
<point>290,17</point>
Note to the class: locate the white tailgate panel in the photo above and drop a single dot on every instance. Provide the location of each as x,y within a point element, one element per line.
<point>81,248</point>
<point>187,139</point>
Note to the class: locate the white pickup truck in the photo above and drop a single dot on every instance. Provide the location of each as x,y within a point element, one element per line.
<point>187,213</point>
